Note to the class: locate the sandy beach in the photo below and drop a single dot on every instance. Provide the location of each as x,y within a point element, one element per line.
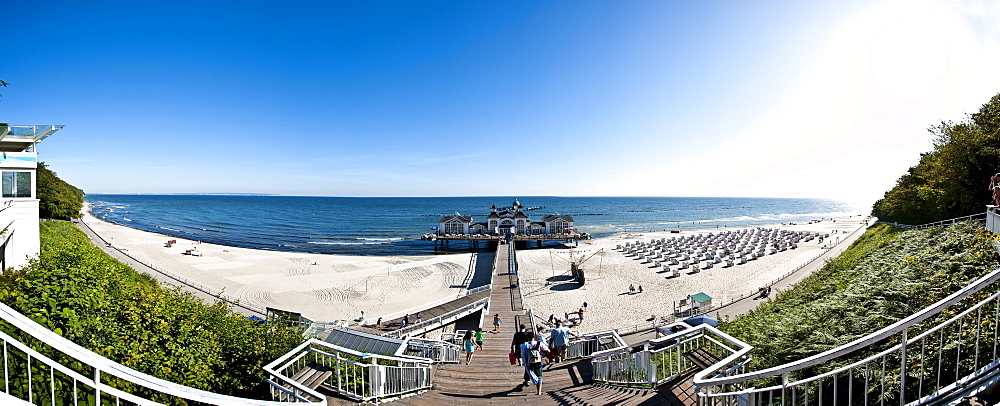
<point>327,287</point>
<point>323,287</point>
<point>610,272</point>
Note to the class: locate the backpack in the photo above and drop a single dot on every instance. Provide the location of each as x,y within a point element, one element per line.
<point>534,356</point>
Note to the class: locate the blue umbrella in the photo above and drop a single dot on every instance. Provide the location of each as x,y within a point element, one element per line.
<point>702,319</point>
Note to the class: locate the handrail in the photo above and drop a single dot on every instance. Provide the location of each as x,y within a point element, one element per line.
<point>872,338</point>
<point>469,308</point>
<point>103,365</point>
<point>371,374</point>
<point>971,217</point>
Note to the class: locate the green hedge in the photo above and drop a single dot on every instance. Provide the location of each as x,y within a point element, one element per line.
<point>81,293</point>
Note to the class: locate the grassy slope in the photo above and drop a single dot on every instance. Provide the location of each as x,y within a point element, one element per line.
<point>884,276</point>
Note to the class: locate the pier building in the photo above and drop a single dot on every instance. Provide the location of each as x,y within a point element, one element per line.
<point>509,223</point>
<point>19,201</point>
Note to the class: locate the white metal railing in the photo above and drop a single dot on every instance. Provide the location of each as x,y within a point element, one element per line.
<point>32,375</point>
<point>440,320</point>
<point>971,217</point>
<point>993,219</point>
<point>589,344</point>
<point>437,350</point>
<point>353,374</point>
<point>908,362</point>
<point>667,358</point>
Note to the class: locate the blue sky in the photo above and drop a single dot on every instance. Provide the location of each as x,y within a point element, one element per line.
<point>637,98</point>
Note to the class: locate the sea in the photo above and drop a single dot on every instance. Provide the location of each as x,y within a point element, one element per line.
<point>393,225</point>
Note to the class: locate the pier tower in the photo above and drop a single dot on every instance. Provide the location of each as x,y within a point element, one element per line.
<point>19,199</point>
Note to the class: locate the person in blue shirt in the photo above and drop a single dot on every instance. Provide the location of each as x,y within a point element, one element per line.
<point>559,337</point>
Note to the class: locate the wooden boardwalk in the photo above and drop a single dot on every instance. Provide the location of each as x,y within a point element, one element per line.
<point>490,379</point>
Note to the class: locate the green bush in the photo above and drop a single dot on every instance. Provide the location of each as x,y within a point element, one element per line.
<point>883,277</point>
<point>81,293</point>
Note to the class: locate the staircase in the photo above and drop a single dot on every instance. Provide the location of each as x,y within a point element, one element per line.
<point>490,378</point>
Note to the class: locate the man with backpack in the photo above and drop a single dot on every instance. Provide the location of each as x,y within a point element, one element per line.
<point>531,356</point>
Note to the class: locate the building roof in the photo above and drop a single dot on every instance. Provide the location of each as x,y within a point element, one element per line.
<point>456,216</point>
<point>18,138</point>
<point>520,215</point>
<point>553,217</point>
<point>493,215</point>
<point>364,342</point>
<point>701,297</point>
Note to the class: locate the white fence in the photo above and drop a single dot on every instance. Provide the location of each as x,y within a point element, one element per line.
<point>80,377</point>
<point>908,362</point>
<point>438,321</point>
<point>353,374</point>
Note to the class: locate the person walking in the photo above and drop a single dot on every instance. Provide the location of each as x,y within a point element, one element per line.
<point>520,337</point>
<point>496,323</point>
<point>559,337</point>
<point>531,357</point>
<point>479,337</point>
<point>417,315</point>
<point>470,347</point>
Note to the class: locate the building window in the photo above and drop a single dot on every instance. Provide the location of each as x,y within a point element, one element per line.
<point>453,227</point>
<point>493,226</point>
<point>16,184</point>
<point>557,227</point>
<point>520,226</point>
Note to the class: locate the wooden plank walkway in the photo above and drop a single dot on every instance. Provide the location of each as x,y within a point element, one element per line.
<point>490,379</point>
<point>426,314</point>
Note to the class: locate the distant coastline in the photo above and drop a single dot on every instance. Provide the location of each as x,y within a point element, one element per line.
<point>392,226</point>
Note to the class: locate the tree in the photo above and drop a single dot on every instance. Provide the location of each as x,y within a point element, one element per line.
<point>57,199</point>
<point>949,181</point>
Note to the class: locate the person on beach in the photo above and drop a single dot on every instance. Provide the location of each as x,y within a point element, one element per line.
<point>417,316</point>
<point>559,337</point>
<point>496,323</point>
<point>520,337</point>
<point>995,188</point>
<point>531,358</point>
<point>479,337</point>
<point>470,346</point>
<point>580,312</point>
<point>640,288</point>
<point>406,320</point>
<point>631,289</point>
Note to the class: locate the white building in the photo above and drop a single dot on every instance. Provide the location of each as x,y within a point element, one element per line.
<point>19,201</point>
<point>509,220</point>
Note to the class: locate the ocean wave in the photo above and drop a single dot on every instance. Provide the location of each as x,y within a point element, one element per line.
<point>360,241</point>
<point>778,217</point>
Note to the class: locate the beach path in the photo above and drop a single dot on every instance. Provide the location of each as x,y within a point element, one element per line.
<point>490,379</point>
